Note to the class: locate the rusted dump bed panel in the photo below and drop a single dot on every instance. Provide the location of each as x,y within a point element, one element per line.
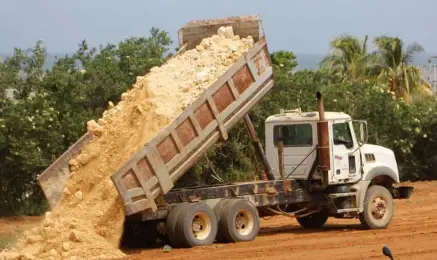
<point>154,169</point>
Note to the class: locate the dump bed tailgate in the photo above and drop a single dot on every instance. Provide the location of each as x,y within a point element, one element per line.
<point>154,169</point>
<point>55,177</point>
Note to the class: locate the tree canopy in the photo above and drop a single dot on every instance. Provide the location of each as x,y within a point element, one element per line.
<point>391,64</point>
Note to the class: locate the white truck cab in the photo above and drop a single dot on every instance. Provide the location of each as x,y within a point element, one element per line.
<point>360,176</point>
<point>351,160</point>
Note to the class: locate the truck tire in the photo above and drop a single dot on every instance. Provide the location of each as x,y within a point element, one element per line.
<point>378,208</point>
<point>170,223</point>
<point>238,221</point>
<point>196,226</point>
<point>218,212</point>
<point>316,220</point>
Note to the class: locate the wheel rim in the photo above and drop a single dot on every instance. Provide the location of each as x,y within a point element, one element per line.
<point>379,208</point>
<point>244,222</point>
<point>201,226</point>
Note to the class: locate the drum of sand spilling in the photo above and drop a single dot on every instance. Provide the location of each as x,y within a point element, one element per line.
<point>87,223</point>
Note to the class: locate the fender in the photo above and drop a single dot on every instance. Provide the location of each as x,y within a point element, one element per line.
<point>381,170</point>
<point>361,187</point>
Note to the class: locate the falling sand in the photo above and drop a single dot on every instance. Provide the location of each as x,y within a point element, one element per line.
<point>87,223</point>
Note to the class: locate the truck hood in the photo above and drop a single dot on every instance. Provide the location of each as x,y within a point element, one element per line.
<point>385,161</point>
<point>376,149</point>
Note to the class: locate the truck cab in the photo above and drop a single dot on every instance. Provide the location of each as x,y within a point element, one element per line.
<point>358,178</point>
<point>351,158</point>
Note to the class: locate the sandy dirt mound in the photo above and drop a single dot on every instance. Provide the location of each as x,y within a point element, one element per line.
<point>87,223</point>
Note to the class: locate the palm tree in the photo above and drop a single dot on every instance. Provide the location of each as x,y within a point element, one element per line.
<point>348,59</point>
<point>394,66</point>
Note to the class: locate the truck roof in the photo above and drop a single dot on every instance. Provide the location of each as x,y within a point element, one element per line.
<point>305,116</point>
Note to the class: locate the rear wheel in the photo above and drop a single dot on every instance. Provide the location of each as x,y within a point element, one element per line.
<point>196,226</point>
<point>238,221</point>
<point>170,224</point>
<point>218,208</point>
<point>315,220</point>
<point>378,208</point>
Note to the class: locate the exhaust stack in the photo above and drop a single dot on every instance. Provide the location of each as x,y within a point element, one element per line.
<point>324,162</point>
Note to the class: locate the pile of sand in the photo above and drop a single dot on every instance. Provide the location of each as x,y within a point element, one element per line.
<point>88,221</point>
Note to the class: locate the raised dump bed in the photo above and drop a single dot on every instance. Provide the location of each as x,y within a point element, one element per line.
<point>153,170</point>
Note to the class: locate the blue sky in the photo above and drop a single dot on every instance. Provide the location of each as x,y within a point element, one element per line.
<point>302,26</point>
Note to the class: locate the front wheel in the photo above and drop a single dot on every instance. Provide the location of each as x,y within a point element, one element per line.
<point>378,208</point>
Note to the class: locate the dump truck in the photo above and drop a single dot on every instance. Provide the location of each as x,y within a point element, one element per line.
<point>317,164</point>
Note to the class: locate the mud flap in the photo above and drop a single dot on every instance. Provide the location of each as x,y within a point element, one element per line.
<point>403,192</point>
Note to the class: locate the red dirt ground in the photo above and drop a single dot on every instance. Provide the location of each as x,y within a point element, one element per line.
<point>411,235</point>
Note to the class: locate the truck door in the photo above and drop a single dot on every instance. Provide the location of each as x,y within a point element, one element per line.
<point>345,152</point>
<point>299,142</point>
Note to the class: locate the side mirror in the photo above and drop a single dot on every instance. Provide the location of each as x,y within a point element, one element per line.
<point>363,132</point>
<point>363,138</point>
<point>386,251</point>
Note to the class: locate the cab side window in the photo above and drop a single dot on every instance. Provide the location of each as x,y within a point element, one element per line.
<point>293,135</point>
<point>342,134</point>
